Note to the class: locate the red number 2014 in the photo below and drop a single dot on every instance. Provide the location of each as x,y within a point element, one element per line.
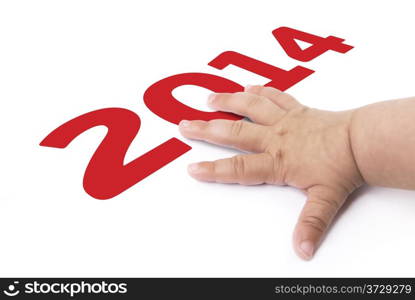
<point>106,175</point>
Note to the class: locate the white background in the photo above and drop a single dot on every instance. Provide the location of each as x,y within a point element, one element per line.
<point>61,59</point>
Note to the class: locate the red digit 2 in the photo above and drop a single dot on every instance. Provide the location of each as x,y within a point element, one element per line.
<point>106,175</point>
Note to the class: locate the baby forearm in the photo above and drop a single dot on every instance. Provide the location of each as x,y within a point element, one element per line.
<point>383,142</point>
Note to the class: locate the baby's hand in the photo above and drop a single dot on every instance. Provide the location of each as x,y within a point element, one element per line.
<point>293,145</point>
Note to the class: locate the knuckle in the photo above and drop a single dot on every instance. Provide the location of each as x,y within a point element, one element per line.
<point>301,110</point>
<point>208,126</point>
<point>238,165</point>
<point>253,102</point>
<point>222,99</point>
<point>212,167</point>
<point>236,128</point>
<point>298,111</point>
<point>324,201</point>
<point>256,89</point>
<point>315,222</point>
<point>280,130</point>
<point>277,174</point>
<point>272,177</point>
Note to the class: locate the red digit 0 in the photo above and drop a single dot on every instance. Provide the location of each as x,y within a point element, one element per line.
<point>286,37</point>
<point>106,176</point>
<point>159,99</point>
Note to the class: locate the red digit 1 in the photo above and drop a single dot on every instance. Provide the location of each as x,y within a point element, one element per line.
<point>286,37</point>
<point>159,99</point>
<point>106,175</point>
<point>280,79</point>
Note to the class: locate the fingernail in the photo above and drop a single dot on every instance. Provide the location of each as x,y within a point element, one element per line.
<point>211,98</point>
<point>184,123</point>
<point>193,168</point>
<point>307,247</point>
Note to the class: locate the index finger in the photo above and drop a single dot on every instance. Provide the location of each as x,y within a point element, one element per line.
<point>237,134</point>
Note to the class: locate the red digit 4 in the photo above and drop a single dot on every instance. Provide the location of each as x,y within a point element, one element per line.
<point>286,37</point>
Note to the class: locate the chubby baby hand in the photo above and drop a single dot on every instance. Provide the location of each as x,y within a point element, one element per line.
<point>289,144</point>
